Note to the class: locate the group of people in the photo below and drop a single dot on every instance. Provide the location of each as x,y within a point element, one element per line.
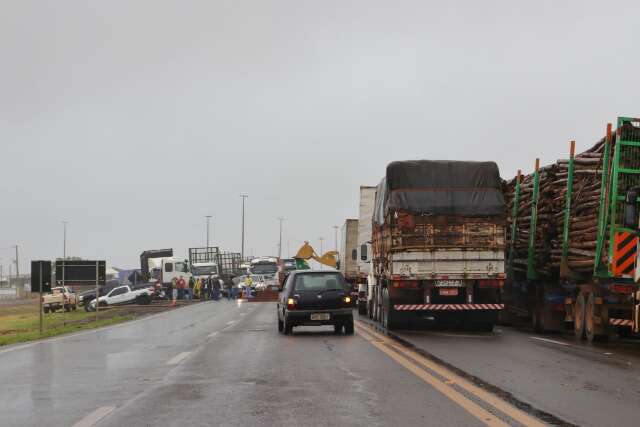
<point>205,288</point>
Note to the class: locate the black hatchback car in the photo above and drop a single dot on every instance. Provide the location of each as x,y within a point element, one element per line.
<point>315,298</point>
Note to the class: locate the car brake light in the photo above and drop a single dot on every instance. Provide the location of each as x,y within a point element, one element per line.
<point>491,283</point>
<point>291,303</point>
<point>347,300</point>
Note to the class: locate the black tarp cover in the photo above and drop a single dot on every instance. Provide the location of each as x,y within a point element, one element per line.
<point>440,187</point>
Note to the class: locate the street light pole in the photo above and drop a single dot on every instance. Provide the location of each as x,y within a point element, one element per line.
<point>280,241</point>
<point>335,237</point>
<point>244,197</point>
<point>17,264</point>
<point>64,251</point>
<point>208,217</point>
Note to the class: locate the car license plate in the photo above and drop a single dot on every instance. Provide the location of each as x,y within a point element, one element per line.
<point>320,316</point>
<point>449,283</point>
<point>449,292</point>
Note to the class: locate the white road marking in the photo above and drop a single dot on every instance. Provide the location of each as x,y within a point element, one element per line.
<point>212,335</point>
<point>179,358</point>
<point>551,341</point>
<point>608,354</point>
<point>233,322</point>
<point>94,417</point>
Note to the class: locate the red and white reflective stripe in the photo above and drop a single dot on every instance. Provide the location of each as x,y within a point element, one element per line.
<point>418,307</point>
<point>621,322</point>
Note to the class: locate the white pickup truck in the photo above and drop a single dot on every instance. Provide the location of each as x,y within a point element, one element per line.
<point>124,295</point>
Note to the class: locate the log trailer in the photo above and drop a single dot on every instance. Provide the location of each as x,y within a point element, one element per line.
<point>438,244</point>
<point>587,237</point>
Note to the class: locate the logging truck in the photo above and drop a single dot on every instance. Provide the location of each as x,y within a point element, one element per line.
<point>573,240</point>
<point>438,244</point>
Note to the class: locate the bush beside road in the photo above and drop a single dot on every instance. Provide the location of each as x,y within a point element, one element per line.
<point>21,322</point>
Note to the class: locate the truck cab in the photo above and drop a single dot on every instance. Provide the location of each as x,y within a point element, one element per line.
<point>164,270</point>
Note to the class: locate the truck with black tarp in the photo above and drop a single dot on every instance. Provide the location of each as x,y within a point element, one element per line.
<point>438,241</point>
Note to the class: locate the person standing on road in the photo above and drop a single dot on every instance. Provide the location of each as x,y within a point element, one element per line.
<point>216,289</point>
<point>229,287</point>
<point>192,284</point>
<point>174,291</point>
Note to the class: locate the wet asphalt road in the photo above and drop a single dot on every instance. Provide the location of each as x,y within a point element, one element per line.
<point>224,363</point>
<point>589,385</point>
<point>217,363</point>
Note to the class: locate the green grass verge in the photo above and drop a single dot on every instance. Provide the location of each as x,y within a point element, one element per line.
<point>23,324</point>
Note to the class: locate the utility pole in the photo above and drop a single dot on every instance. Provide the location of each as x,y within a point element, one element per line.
<point>244,197</point>
<point>64,252</point>
<point>17,264</point>
<point>208,217</point>
<point>335,237</point>
<point>280,241</point>
<point>321,250</point>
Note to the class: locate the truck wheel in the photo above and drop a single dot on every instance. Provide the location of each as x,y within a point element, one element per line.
<point>45,309</point>
<point>67,308</point>
<point>388,320</point>
<point>537,319</point>
<point>362,309</point>
<point>370,309</point>
<point>578,318</point>
<point>74,307</point>
<point>337,329</point>
<point>593,332</point>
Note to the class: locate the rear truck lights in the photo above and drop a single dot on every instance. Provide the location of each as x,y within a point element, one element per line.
<point>291,303</point>
<point>405,284</point>
<point>347,300</point>
<point>491,283</point>
<point>617,288</point>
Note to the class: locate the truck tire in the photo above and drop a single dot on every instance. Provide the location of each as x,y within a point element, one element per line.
<point>74,307</point>
<point>370,309</point>
<point>362,309</point>
<point>337,329</point>
<point>280,325</point>
<point>594,333</point>
<point>45,309</point>
<point>67,308</point>
<point>388,318</point>
<point>579,314</point>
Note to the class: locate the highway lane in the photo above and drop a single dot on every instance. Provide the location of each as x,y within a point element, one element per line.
<point>579,383</point>
<point>224,363</point>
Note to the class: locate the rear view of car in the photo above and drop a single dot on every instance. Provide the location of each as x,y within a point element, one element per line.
<point>315,298</point>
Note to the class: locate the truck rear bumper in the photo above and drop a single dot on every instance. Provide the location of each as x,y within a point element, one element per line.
<point>447,307</point>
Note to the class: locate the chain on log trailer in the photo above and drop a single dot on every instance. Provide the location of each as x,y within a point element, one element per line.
<point>587,241</point>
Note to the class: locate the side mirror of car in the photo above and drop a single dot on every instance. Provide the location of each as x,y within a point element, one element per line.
<point>363,253</point>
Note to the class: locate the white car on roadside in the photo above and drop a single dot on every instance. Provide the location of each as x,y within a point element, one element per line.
<point>124,295</point>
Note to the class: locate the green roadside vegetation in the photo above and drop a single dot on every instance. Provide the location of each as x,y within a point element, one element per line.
<point>21,323</point>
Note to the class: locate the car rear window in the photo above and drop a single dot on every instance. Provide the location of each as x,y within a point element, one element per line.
<point>318,282</point>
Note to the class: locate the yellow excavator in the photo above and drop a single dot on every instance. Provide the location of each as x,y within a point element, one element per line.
<point>306,252</point>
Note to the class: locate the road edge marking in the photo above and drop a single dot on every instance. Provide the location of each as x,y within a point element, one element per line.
<point>487,397</point>
<point>95,417</point>
<point>547,340</point>
<point>178,358</point>
<point>447,390</point>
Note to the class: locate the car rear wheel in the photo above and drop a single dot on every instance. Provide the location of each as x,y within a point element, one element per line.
<point>280,325</point>
<point>337,329</point>
<point>287,327</point>
<point>349,328</point>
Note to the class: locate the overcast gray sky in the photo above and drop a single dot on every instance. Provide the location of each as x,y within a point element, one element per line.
<point>134,119</point>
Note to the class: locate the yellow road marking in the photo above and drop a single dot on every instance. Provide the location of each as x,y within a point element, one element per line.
<point>391,348</point>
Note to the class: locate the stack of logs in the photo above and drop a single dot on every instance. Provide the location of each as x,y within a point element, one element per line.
<point>545,229</point>
<point>551,204</point>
